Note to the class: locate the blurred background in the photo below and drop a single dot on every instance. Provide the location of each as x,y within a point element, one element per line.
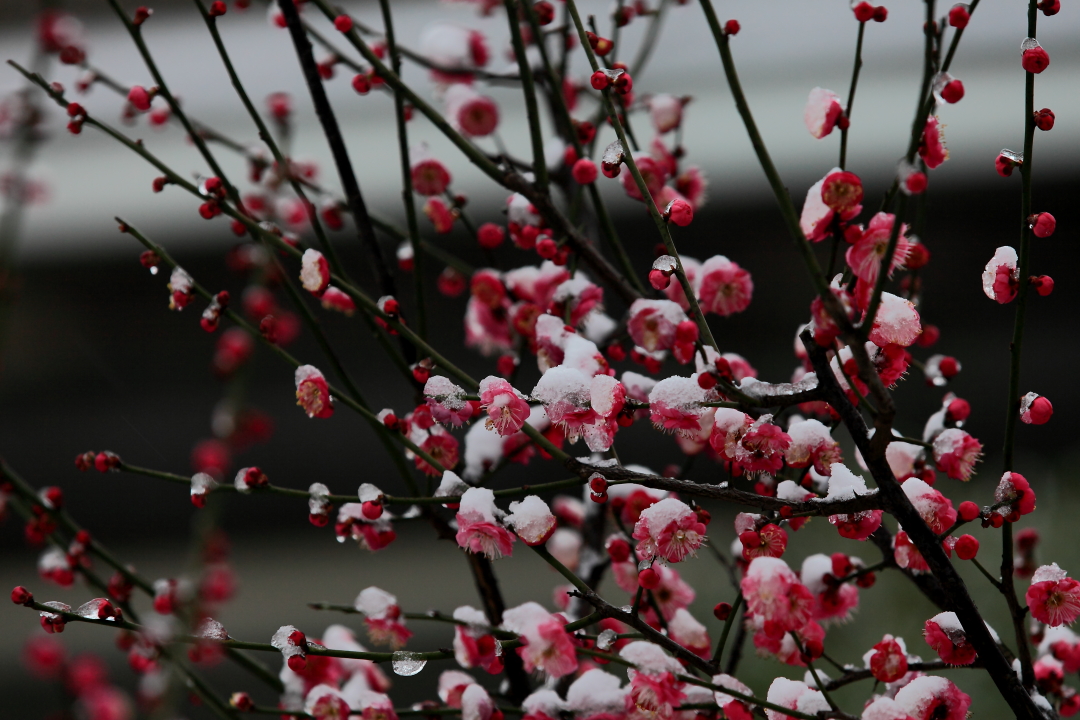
<point>91,357</point>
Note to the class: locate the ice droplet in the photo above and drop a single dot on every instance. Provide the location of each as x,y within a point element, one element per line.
<point>498,648</point>
<point>1029,44</point>
<point>407,663</point>
<point>1017,158</point>
<point>644,564</point>
<point>153,270</point>
<point>628,609</point>
<point>604,639</point>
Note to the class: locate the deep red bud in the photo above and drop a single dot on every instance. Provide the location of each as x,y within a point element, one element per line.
<point>722,611</point>
<point>1044,119</point>
<point>372,510</point>
<point>649,579</point>
<point>598,484</point>
<point>959,17</point>
<point>21,596</point>
<point>967,547</point>
<point>948,367</point>
<point>343,23</point>
<point>599,80</point>
<point>969,511</point>
<point>619,550</point>
<point>958,410</point>
<point>1044,284</point>
<point>217,8</point>
<point>864,12</point>
<point>732,27</point>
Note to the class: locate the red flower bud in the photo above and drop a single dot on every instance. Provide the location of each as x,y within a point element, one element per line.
<point>1044,119</point>
<point>21,596</point>
<point>139,97</point>
<point>372,510</point>
<point>343,23</point>
<point>619,550</point>
<point>953,92</point>
<point>1035,59</point>
<point>142,13</point>
<point>217,8</point>
<point>706,381</point>
<point>242,701</point>
<point>584,171</point>
<point>649,579</point>
<point>948,367</point>
<point>864,12</point>
<point>959,16</point>
<point>1043,284</point>
<point>659,279</point>
<point>722,611</point>
<point>361,83</point>
<point>599,80</point>
<point>967,547</point>
<point>881,13</point>
<point>1049,7</point>
<point>1043,224</point>
<point>490,236</point>
<point>545,13</point>
<point>547,248</point>
<point>732,27</point>
<point>969,511</point>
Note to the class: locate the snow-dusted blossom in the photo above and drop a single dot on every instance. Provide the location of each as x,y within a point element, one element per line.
<point>293,646</point>
<point>312,392</point>
<point>823,111</point>
<point>469,112</point>
<point>202,485</point>
<point>314,272</point>
<point>652,323</point>
<point>370,534</point>
<point>579,296</point>
<point>1054,597</point>
<point>734,708</point>
<point>933,698</point>
<point>474,646</point>
<point>947,637</point>
<point>181,288</point>
<point>564,391</point>
<point>429,176</point>
<point>452,685</point>
<point>1015,492</point>
<point>532,520</point>
<point>887,660</point>
<point>758,540</point>
<point>675,405</point>
<point>476,704</point>
<point>325,702</point>
<point>956,453</point>
<point>794,695</point>
<point>812,444</point>
<point>1035,409</point>
<point>654,690</point>
<point>723,287</point>
<point>447,401</point>
<point>774,593</point>
<point>897,323</point>
<point>382,617</point>
<point>670,530</point>
<point>845,485</point>
<point>479,530</point>
<point>762,447</point>
<point>548,646</point>
<point>665,111</point>
<point>1001,276</point>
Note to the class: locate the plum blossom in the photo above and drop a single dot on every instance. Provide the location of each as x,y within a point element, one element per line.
<point>382,617</point>
<point>832,600</point>
<point>823,111</point>
<point>452,685</point>
<point>762,447</point>
<point>665,111</point>
<point>479,530</point>
<point>1001,277</point>
<point>654,690</point>
<point>532,520</point>
<point>652,323</point>
<point>812,444</point>
<point>476,704</point>
<point>447,401</point>
<point>469,112</point>
<point>887,660</point>
<point>1015,496</point>
<point>956,453</point>
<point>564,392</point>
<point>675,405</point>
<point>670,530</point>
<point>506,408</point>
<point>313,393</point>
<point>314,272</point>
<point>774,593</point>
<point>723,287</point>
<point>757,539</point>
<point>933,698</point>
<point>935,509</point>
<point>794,695</point>
<point>896,323</point>
<point>932,145</point>
<point>429,176</point>
<point>691,634</point>
<point>1054,598</point>
<point>548,646</point>
<point>868,251</point>
<point>734,708</point>
<point>947,637</point>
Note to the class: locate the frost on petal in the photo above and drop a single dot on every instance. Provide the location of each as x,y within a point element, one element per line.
<point>816,215</point>
<point>822,111</point>
<point>897,322</point>
<point>531,519</point>
<point>1001,276</point>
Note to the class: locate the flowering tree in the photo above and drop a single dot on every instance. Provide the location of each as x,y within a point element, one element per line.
<point>582,313</point>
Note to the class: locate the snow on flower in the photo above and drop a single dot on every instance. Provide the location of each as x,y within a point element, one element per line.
<point>935,509</point>
<point>429,176</point>
<point>543,704</point>
<point>476,704</point>
<point>822,112</point>
<point>897,322</point>
<point>723,287</point>
<point>325,702</point>
<point>447,401</point>
<point>654,690</point>
<point>381,616</point>
<point>1054,597</point>
<point>479,530</point>
<point>670,530</point>
<point>312,392</point>
<point>452,684</point>
<point>665,111</point>
<point>794,695</point>
<point>549,647</point>
<point>532,520</point>
<point>761,449</point>
<point>812,444</point>
<point>579,296</point>
<point>774,593</point>
<point>596,693</point>
<point>956,453</point>
<point>1001,276</point>
<point>734,708</point>
<point>1015,496</point>
<point>675,405</point>
<point>947,637</point>
<point>652,323</point>
<point>933,698</point>
<point>469,112</point>
<point>691,634</point>
<point>887,660</point>
<point>314,272</point>
<point>564,391</point>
